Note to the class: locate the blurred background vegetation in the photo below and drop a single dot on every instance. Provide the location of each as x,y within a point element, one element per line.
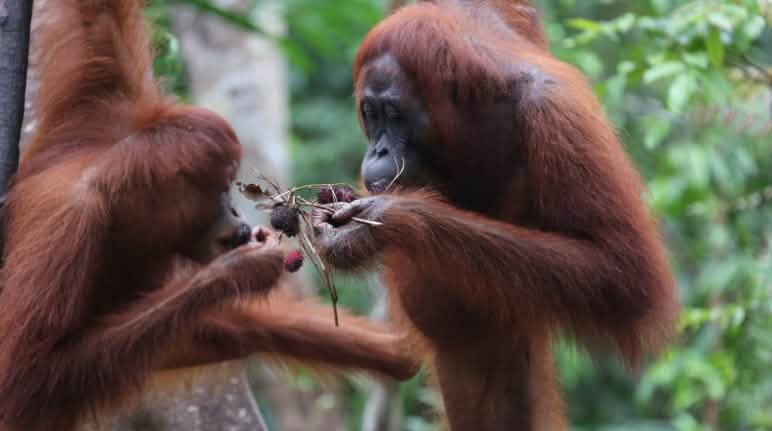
<point>688,84</point>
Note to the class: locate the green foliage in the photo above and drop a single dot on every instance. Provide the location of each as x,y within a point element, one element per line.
<point>690,93</point>
<point>321,43</point>
<point>168,64</point>
<point>688,84</point>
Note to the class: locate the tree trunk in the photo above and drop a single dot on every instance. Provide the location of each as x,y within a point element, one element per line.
<point>15,19</point>
<point>242,76</point>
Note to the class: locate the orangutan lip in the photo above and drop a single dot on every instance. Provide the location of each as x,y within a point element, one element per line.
<point>378,187</point>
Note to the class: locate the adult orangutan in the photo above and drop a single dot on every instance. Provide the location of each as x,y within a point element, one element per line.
<point>519,215</point>
<point>122,252</point>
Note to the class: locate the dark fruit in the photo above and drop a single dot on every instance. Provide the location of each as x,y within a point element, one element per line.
<point>294,261</point>
<point>253,189</point>
<point>286,219</point>
<point>328,195</point>
<point>261,235</point>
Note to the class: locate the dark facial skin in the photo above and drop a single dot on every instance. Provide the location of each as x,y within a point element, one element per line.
<point>397,126</point>
<point>228,231</point>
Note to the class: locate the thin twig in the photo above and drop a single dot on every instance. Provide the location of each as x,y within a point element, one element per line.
<point>323,270</point>
<point>292,199</point>
<point>399,172</point>
<point>270,182</point>
<point>280,195</point>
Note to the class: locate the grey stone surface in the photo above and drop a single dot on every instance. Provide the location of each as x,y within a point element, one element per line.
<point>212,398</point>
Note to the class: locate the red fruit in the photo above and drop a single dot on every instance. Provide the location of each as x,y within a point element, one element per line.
<point>286,219</point>
<point>341,194</point>
<point>294,261</point>
<point>325,196</point>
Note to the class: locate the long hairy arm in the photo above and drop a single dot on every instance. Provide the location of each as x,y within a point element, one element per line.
<point>292,330</point>
<point>95,74</point>
<point>77,369</point>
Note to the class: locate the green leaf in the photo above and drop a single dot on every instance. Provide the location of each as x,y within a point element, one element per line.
<point>625,67</point>
<point>754,27</point>
<point>585,24</point>
<point>660,6</point>
<point>693,163</point>
<point>720,20</point>
<point>625,22</point>
<point>715,47</point>
<point>662,70</point>
<point>233,18</point>
<point>656,128</point>
<point>615,89</point>
<point>681,91</point>
<point>698,59</point>
<point>589,63</point>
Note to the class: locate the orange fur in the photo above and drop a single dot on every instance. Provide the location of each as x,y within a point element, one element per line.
<point>539,226</point>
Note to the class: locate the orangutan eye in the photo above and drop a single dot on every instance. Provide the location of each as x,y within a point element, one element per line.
<point>392,112</point>
<point>368,112</point>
